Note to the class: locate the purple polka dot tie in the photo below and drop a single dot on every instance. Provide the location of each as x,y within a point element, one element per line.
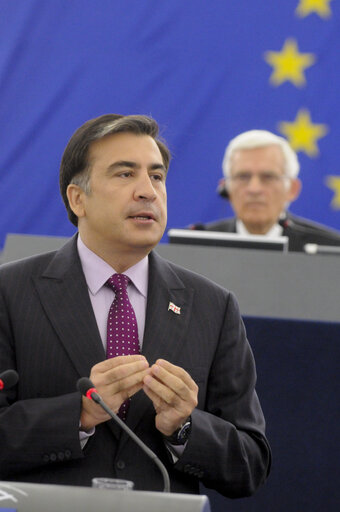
<point>122,333</point>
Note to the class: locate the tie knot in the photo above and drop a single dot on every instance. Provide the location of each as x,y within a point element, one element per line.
<point>118,282</point>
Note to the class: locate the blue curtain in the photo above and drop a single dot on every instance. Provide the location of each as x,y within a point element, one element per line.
<point>205,71</point>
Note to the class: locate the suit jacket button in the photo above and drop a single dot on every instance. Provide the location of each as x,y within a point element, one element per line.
<point>61,455</point>
<point>67,454</point>
<point>53,457</point>
<point>46,457</point>
<point>120,464</point>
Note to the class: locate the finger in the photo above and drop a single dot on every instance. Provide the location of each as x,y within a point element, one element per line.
<point>120,391</point>
<point>134,381</point>
<point>162,391</point>
<point>113,362</point>
<point>156,400</point>
<point>182,385</point>
<point>133,390</point>
<point>126,370</point>
<point>119,372</point>
<point>123,388</point>
<point>168,418</point>
<point>178,372</point>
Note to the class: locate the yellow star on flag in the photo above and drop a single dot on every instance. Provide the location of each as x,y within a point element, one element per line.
<point>289,64</point>
<point>303,134</point>
<point>333,182</point>
<point>320,7</point>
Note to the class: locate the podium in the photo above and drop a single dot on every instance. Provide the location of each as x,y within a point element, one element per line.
<point>267,284</point>
<point>25,497</point>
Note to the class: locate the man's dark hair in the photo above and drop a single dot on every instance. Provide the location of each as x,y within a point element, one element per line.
<point>75,166</point>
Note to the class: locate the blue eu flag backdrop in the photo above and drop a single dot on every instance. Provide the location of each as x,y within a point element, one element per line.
<point>205,71</point>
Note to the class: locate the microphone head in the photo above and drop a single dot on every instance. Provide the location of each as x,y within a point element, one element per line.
<point>198,227</point>
<point>8,379</point>
<point>284,223</point>
<point>84,384</point>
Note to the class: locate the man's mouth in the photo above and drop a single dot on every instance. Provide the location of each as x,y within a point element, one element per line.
<point>142,216</point>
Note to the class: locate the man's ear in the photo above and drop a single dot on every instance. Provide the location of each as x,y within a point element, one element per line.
<point>294,189</point>
<point>75,196</point>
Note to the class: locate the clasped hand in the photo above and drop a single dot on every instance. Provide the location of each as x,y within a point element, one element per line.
<point>171,389</point>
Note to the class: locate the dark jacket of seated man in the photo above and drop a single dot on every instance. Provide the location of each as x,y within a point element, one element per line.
<point>299,231</point>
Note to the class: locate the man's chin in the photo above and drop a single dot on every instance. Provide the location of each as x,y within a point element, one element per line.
<point>145,241</point>
<point>259,227</point>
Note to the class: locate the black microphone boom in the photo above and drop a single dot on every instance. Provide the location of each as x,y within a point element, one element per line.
<point>8,379</point>
<point>86,388</point>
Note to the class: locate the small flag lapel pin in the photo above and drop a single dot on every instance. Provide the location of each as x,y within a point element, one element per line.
<point>174,308</point>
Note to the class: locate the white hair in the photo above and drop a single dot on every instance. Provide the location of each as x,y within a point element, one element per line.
<point>259,139</point>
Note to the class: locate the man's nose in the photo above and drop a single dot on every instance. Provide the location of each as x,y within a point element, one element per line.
<point>255,183</point>
<point>144,187</point>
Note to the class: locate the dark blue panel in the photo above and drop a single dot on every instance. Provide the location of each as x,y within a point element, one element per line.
<point>299,388</point>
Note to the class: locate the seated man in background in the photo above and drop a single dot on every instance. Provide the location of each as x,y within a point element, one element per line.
<point>260,180</point>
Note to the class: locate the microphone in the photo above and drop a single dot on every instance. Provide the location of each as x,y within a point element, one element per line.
<point>284,222</point>
<point>86,388</point>
<point>8,379</point>
<point>198,227</point>
<point>321,249</point>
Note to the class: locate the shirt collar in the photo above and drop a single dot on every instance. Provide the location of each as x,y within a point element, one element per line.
<point>274,231</point>
<point>97,271</point>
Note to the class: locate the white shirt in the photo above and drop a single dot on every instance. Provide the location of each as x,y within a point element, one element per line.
<point>274,231</point>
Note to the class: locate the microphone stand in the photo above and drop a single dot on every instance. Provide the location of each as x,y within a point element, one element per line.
<point>87,389</point>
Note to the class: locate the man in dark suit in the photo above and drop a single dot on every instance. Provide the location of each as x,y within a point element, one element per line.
<point>191,388</point>
<point>261,180</point>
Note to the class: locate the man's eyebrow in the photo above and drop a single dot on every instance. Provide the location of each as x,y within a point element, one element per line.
<point>133,165</point>
<point>121,163</point>
<point>158,166</point>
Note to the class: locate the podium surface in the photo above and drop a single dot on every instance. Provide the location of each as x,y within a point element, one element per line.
<point>267,284</point>
<point>25,497</point>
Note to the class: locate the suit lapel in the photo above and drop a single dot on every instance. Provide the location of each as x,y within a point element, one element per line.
<point>64,296</point>
<point>165,330</point>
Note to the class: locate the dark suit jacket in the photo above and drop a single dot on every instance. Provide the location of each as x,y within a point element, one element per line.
<point>48,332</point>
<point>299,231</point>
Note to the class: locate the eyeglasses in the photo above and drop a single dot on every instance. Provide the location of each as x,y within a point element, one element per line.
<point>265,178</point>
